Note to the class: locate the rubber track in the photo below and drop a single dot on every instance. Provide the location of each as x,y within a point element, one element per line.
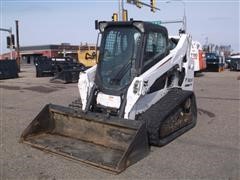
<point>161,111</point>
<point>76,104</point>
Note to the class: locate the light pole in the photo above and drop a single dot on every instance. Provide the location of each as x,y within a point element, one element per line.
<point>184,13</point>
<point>17,44</point>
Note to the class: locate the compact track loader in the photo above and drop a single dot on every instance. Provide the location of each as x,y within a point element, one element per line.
<point>139,94</point>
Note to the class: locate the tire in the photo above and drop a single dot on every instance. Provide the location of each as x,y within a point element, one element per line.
<point>163,119</point>
<point>38,74</point>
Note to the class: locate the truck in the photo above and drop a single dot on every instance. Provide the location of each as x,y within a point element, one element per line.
<point>198,56</point>
<point>214,62</point>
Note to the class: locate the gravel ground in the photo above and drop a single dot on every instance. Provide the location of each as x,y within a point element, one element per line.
<point>211,150</point>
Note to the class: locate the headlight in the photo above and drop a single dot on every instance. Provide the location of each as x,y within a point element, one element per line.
<point>136,86</point>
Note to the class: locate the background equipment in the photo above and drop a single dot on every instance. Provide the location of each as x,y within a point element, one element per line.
<point>87,55</point>
<point>8,69</point>
<point>198,57</point>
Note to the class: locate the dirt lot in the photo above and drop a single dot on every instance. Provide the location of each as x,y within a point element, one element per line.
<point>211,150</point>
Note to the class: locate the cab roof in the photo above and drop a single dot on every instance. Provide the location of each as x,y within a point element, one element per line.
<point>147,26</point>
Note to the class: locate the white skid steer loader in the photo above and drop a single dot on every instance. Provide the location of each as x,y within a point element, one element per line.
<point>139,94</point>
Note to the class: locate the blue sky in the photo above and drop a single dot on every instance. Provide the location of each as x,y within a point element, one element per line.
<point>57,21</point>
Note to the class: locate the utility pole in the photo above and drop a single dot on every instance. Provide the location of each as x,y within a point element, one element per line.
<point>11,44</point>
<point>18,46</point>
<point>184,16</point>
<point>121,10</point>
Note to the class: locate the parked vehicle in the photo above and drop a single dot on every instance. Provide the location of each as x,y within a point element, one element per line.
<point>235,63</point>
<point>228,61</point>
<point>214,62</point>
<point>44,66</point>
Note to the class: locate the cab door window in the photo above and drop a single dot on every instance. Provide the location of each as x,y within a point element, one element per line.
<point>156,45</point>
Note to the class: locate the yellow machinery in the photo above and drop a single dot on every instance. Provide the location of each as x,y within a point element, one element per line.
<point>87,55</point>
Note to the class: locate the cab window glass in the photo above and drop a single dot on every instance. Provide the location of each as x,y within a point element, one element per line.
<point>156,45</point>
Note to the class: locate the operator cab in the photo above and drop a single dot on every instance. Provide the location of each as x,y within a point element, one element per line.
<point>127,50</point>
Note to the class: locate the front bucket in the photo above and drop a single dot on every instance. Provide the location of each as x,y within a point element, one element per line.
<point>66,76</point>
<point>109,143</point>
